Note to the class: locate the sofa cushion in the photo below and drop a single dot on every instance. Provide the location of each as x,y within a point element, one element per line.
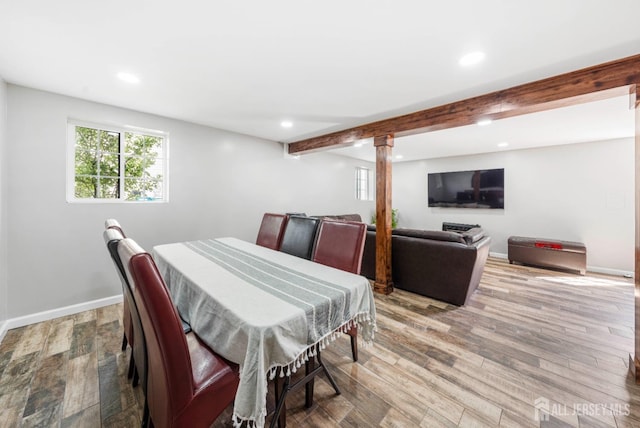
<point>472,236</point>
<point>343,217</point>
<point>436,235</point>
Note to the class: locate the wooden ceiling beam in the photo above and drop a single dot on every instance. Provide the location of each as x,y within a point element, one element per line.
<point>588,84</point>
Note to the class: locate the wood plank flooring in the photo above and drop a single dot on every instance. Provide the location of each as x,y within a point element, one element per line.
<point>533,348</point>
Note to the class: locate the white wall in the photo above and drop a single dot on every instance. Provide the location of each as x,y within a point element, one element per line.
<point>579,192</point>
<point>3,204</point>
<point>220,185</point>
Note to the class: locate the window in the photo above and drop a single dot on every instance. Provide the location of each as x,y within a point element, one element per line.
<point>108,164</point>
<point>362,184</point>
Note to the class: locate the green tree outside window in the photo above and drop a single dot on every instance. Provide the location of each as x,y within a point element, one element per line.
<point>118,165</point>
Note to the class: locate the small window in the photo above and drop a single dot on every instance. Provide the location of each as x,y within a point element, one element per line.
<point>107,164</point>
<point>362,184</point>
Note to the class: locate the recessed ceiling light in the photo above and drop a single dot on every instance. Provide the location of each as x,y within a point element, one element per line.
<point>128,77</point>
<point>399,156</point>
<point>484,122</point>
<point>503,144</point>
<point>286,124</point>
<point>471,58</point>
<point>357,145</point>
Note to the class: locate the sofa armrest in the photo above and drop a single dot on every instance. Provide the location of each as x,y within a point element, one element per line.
<point>472,236</point>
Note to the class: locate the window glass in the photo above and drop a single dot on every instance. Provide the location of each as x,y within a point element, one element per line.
<point>110,164</point>
<point>362,183</point>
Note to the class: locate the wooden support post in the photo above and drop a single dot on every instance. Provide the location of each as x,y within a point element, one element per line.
<point>384,281</point>
<point>634,361</point>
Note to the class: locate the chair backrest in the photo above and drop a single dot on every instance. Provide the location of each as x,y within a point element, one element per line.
<point>271,230</point>
<point>112,223</point>
<point>299,236</point>
<point>170,383</point>
<point>112,238</point>
<point>340,244</point>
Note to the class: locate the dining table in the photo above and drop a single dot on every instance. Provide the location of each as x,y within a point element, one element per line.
<point>267,311</point>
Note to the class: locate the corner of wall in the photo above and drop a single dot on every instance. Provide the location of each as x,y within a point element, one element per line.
<point>3,216</point>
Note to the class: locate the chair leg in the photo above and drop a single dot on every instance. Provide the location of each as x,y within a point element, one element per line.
<point>146,417</point>
<point>326,372</point>
<point>354,348</point>
<point>136,378</point>
<point>276,392</point>
<point>277,419</point>
<point>308,368</point>
<point>353,333</point>
<point>132,366</point>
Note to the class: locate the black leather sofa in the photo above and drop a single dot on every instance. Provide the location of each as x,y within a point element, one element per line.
<point>445,266</point>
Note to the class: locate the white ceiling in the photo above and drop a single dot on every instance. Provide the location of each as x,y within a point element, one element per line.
<point>247,65</point>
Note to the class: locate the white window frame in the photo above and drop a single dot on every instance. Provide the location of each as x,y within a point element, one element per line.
<point>363,171</point>
<point>121,129</point>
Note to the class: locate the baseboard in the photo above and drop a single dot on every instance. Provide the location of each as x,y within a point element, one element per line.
<point>594,269</point>
<point>56,313</point>
<point>498,255</point>
<point>607,271</point>
<point>3,330</point>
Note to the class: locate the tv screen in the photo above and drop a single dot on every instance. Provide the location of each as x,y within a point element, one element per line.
<point>467,189</point>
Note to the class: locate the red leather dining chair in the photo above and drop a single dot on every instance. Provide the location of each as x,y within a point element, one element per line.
<point>272,230</point>
<point>188,384</point>
<point>340,244</point>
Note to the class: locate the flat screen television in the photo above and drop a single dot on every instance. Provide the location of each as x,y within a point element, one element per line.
<point>467,189</point>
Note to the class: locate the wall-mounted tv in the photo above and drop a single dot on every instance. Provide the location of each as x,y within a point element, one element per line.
<point>467,189</point>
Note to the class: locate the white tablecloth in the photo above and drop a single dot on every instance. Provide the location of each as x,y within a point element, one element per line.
<point>262,309</point>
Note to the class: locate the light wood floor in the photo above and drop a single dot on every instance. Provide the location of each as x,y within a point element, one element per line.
<point>528,336</point>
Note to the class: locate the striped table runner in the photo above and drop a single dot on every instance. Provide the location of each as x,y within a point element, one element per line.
<point>262,308</point>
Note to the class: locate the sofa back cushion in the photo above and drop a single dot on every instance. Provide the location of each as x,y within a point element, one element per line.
<point>343,217</point>
<point>436,235</point>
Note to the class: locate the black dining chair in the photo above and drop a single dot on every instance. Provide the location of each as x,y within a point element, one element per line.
<point>299,236</point>
<point>138,361</point>
<point>127,336</point>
